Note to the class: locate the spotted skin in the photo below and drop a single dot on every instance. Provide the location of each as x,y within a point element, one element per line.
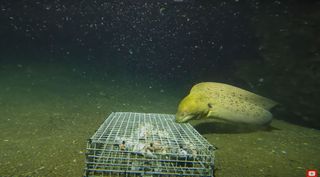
<point>226,102</point>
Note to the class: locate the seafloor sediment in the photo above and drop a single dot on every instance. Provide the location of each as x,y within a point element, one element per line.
<point>46,118</point>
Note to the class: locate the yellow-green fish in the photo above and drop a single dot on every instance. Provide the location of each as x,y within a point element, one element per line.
<point>224,102</point>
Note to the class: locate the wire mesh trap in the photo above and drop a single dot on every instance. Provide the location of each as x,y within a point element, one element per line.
<point>146,144</point>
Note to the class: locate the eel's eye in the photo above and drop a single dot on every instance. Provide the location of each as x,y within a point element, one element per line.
<point>209,105</point>
<point>183,114</point>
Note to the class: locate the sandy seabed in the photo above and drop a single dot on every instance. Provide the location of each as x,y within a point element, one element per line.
<point>48,115</point>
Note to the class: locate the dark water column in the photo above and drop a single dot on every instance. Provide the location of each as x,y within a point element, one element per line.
<point>289,71</point>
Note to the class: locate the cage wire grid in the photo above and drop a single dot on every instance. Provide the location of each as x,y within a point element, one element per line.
<point>147,144</point>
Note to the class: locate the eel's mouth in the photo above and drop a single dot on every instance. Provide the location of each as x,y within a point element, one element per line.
<point>183,119</point>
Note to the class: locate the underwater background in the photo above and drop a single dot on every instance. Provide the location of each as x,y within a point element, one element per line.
<point>65,66</point>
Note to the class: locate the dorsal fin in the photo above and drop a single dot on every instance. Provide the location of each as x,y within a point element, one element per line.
<point>220,89</point>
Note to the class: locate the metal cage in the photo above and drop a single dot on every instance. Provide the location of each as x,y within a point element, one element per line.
<point>147,144</point>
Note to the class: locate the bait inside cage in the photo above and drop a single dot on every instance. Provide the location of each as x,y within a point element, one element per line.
<point>147,144</point>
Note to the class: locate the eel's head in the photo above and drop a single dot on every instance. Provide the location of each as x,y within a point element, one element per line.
<point>190,108</point>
